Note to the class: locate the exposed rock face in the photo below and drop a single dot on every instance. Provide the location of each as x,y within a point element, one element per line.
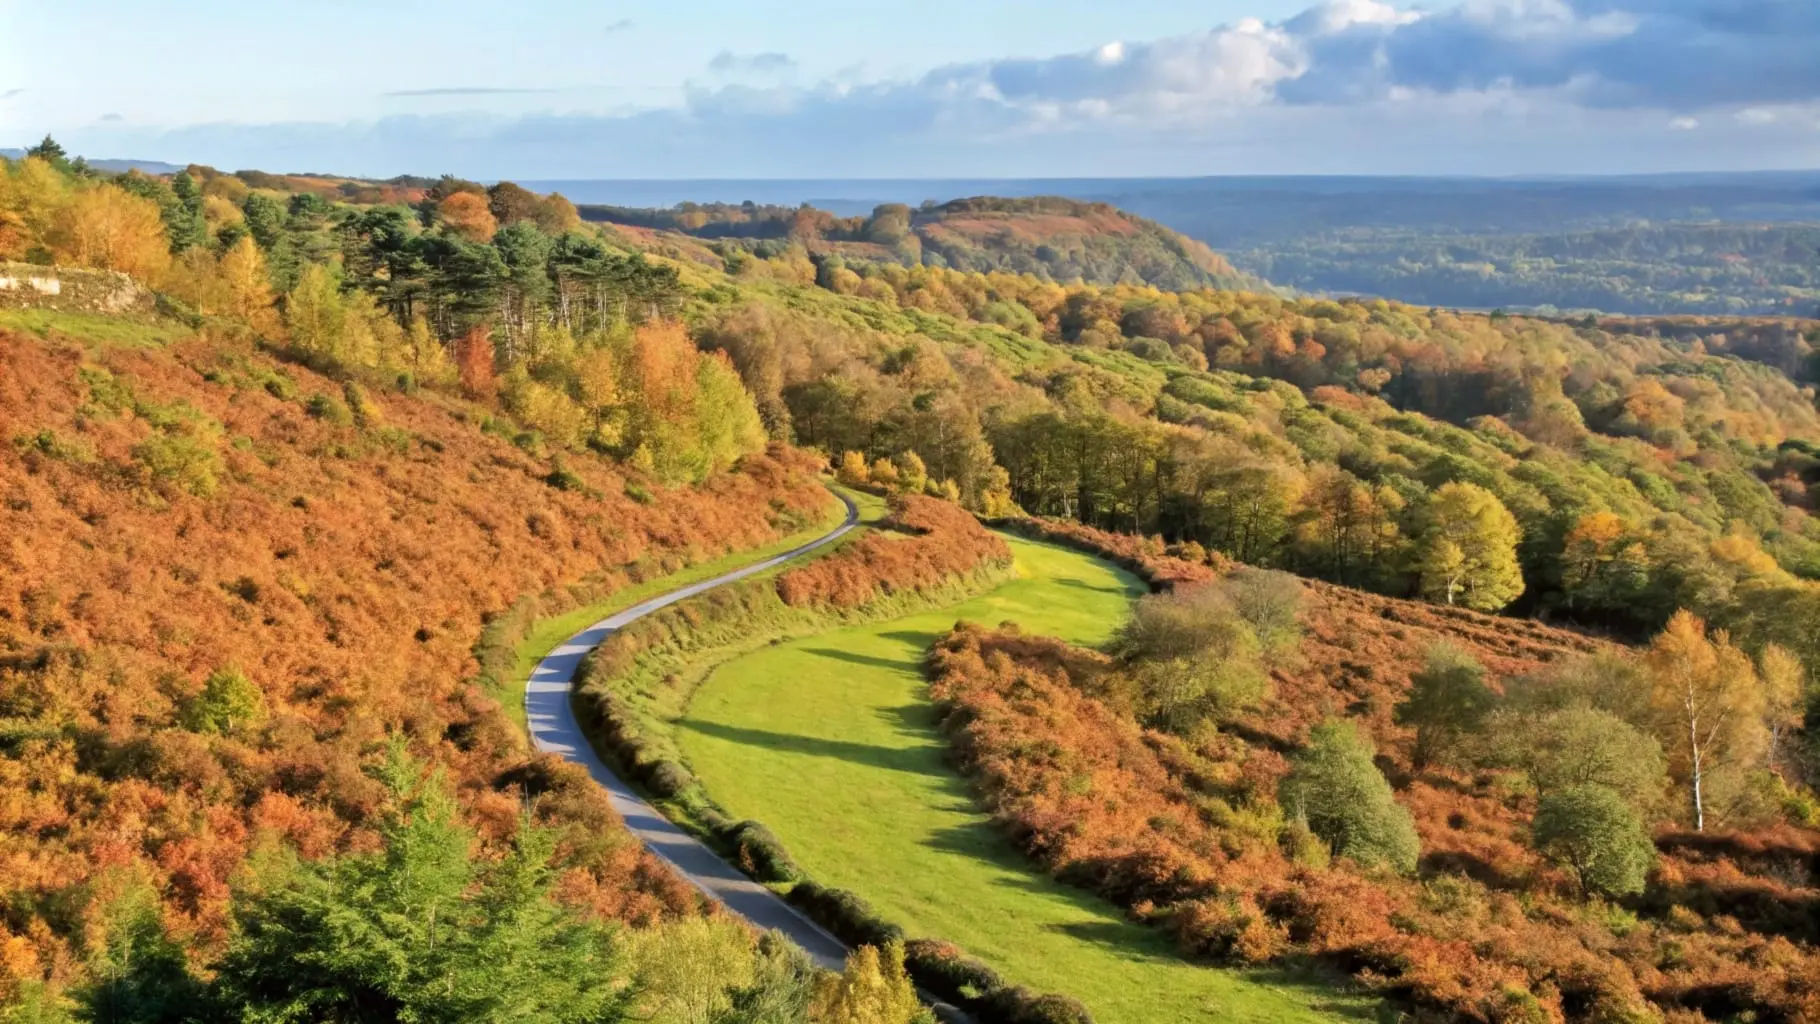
<point>27,286</point>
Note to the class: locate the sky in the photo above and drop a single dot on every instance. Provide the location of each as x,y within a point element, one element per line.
<point>553,89</point>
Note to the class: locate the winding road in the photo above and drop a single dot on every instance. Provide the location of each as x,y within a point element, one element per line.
<point>554,730</point>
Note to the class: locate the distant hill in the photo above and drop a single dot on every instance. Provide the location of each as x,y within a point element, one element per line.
<point>113,166</point>
<point>1048,236</point>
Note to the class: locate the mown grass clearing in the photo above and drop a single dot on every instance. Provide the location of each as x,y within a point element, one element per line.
<point>549,633</point>
<point>830,741</point>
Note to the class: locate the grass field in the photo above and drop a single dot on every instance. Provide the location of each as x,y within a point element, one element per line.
<point>831,742</point>
<point>548,633</point>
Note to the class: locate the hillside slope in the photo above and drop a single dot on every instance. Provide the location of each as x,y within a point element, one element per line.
<point>1194,826</point>
<point>222,589</point>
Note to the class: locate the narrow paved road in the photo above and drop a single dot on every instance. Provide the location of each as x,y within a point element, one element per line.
<point>554,730</point>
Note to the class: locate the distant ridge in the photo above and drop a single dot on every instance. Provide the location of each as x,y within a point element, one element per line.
<point>114,166</point>
<point>1051,237</point>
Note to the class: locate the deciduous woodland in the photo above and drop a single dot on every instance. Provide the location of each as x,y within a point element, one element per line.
<point>250,542</point>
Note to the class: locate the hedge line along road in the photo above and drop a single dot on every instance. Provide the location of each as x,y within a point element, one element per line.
<point>554,730</point>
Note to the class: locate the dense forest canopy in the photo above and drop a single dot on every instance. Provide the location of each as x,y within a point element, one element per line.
<point>1668,268</point>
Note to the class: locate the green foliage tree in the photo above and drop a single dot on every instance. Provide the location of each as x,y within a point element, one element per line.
<point>686,971</point>
<point>1334,785</point>
<point>1447,702</point>
<point>1593,831</point>
<point>183,220</point>
<point>138,974</point>
<point>1578,746</point>
<point>421,930</point>
<point>1468,553</point>
<point>229,701</point>
<point>1193,658</point>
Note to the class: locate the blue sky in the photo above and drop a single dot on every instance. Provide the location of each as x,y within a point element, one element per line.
<point>568,89</point>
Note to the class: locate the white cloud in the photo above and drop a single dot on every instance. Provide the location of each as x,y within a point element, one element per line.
<point>1347,85</point>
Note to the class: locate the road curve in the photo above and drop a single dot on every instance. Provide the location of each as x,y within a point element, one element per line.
<point>554,730</point>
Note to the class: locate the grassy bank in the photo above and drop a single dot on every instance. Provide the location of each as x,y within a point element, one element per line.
<point>830,741</point>
<point>546,633</point>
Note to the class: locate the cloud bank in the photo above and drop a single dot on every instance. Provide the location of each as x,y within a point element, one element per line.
<point>1485,86</point>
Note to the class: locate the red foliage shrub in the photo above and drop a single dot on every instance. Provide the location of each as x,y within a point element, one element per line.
<point>936,542</point>
<point>1187,835</point>
<point>1148,558</point>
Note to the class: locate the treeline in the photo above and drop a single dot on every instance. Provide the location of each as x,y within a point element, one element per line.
<point>490,291</point>
<point>1703,269</point>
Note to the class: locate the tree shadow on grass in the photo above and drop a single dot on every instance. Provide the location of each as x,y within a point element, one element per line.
<point>1080,584</point>
<point>913,760</point>
<point>1322,992</point>
<point>916,638</point>
<point>855,658</point>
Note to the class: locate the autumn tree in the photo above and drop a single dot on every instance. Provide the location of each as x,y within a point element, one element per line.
<point>1603,564</point>
<point>474,364</point>
<point>1785,698</point>
<point>1468,552</point>
<point>510,203</point>
<point>109,229</point>
<point>912,475</point>
<point>853,471</point>
<point>467,215</point>
<point>556,215</point>
<point>874,989</point>
<point>686,971</point>
<point>1334,787</point>
<point>1710,707</point>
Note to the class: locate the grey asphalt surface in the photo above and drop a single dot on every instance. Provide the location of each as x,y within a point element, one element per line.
<point>554,730</point>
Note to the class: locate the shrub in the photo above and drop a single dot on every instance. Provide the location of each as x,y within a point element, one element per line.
<point>178,461</point>
<point>1346,800</point>
<point>845,914</point>
<point>761,854</point>
<point>1591,830</point>
<point>329,410</point>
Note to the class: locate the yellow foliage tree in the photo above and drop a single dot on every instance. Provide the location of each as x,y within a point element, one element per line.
<point>249,290</point>
<point>1784,696</point>
<point>1468,553</point>
<point>1709,704</point>
<point>853,471</point>
<point>874,989</point>
<point>110,229</point>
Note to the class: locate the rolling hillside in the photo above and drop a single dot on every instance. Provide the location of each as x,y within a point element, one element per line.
<point>1057,239</point>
